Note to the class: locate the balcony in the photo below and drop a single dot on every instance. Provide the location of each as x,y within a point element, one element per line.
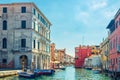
<point>4,16</point>
<point>26,49</point>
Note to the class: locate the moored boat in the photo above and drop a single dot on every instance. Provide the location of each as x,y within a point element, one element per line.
<point>44,72</point>
<point>97,64</point>
<point>88,68</point>
<point>61,67</point>
<point>26,75</point>
<point>96,71</point>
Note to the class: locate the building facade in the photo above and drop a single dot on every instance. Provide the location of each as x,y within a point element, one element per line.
<point>114,43</point>
<point>81,53</point>
<point>52,55</point>
<point>24,36</point>
<point>104,46</point>
<point>69,59</point>
<point>61,55</point>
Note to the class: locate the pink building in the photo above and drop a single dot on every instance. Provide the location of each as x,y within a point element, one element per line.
<point>114,42</point>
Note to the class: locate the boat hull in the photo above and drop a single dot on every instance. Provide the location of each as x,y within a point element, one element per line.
<point>45,72</point>
<point>26,75</point>
<point>88,68</point>
<point>96,71</point>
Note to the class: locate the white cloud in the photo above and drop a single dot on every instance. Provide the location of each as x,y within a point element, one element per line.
<point>97,5</point>
<point>109,14</point>
<point>82,16</point>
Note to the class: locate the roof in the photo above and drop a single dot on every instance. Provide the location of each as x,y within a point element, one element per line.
<point>17,3</point>
<point>110,24</point>
<point>118,12</point>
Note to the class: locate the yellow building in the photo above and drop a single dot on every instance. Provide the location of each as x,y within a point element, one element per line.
<point>105,53</point>
<point>95,50</point>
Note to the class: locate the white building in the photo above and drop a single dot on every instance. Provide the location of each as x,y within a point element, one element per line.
<point>24,36</point>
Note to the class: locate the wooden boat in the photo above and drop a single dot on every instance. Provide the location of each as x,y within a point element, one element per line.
<point>26,75</point>
<point>44,72</point>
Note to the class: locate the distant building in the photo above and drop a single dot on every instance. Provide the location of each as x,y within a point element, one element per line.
<point>69,59</point>
<point>114,43</point>
<point>61,55</point>
<point>52,55</point>
<point>24,36</point>
<point>81,53</point>
<point>95,49</point>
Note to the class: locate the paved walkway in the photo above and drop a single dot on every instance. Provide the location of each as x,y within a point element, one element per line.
<point>9,73</point>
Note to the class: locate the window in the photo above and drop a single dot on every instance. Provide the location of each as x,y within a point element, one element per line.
<point>34,25</point>
<point>4,9</point>
<point>116,61</point>
<point>38,45</point>
<point>23,9</point>
<point>23,43</point>
<point>34,44</point>
<point>23,24</point>
<point>38,28</point>
<point>38,16</point>
<point>4,25</point>
<point>34,11</point>
<point>119,21</point>
<point>116,24</point>
<point>116,42</point>
<point>4,43</point>
<point>4,61</point>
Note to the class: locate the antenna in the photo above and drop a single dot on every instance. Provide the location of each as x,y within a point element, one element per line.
<point>82,40</point>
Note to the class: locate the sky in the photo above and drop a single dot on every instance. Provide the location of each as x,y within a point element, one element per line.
<point>76,22</point>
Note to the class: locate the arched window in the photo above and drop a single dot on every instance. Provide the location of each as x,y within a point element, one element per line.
<point>4,43</point>
<point>4,25</point>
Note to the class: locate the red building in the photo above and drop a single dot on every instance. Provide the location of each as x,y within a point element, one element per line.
<point>81,53</point>
<point>114,41</point>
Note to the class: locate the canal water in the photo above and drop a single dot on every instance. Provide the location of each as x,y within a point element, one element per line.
<point>69,74</point>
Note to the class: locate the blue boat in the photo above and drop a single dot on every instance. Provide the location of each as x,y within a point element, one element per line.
<point>44,72</point>
<point>26,75</point>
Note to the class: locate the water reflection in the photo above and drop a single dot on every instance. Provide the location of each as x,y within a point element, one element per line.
<point>69,74</point>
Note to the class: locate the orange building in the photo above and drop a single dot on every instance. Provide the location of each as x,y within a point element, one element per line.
<point>61,55</point>
<point>52,54</point>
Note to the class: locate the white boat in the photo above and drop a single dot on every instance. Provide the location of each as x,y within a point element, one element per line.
<point>26,75</point>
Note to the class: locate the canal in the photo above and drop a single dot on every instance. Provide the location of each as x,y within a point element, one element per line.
<point>69,74</point>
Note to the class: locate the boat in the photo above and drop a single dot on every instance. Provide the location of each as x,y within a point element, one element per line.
<point>44,72</point>
<point>88,68</point>
<point>26,74</point>
<point>61,67</point>
<point>96,71</point>
<point>88,63</point>
<point>97,64</point>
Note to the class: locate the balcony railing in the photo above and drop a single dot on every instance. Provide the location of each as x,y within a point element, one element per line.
<point>26,49</point>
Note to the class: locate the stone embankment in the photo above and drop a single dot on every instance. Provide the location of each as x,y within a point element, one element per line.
<point>8,73</point>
